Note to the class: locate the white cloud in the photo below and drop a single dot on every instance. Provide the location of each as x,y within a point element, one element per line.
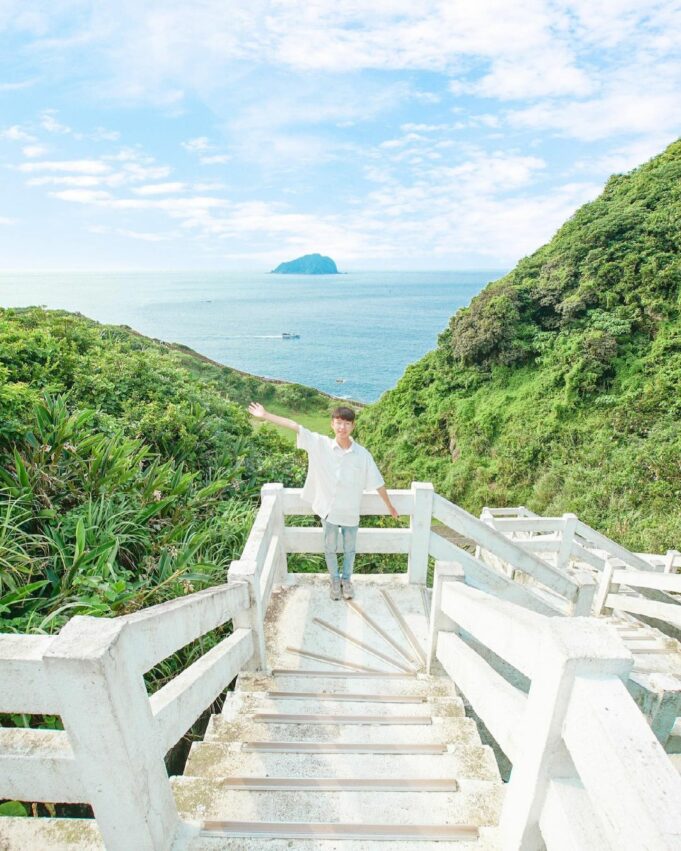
<point>16,87</point>
<point>74,166</point>
<point>4,220</point>
<point>144,236</point>
<point>68,180</point>
<point>212,186</point>
<point>197,145</point>
<point>16,134</point>
<point>48,121</point>
<point>616,113</point>
<point>101,134</point>
<point>215,159</point>
<point>541,74</point>
<point>82,196</point>
<point>135,171</point>
<point>623,158</point>
<point>34,150</point>
<point>159,188</point>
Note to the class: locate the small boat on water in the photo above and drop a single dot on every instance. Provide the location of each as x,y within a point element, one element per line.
<point>288,336</point>
<point>340,381</point>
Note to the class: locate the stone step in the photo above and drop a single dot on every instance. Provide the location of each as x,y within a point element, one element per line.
<point>340,832</point>
<point>487,840</point>
<point>218,760</point>
<point>341,682</point>
<point>343,720</point>
<point>68,834</point>
<point>245,729</point>
<point>200,798</point>
<point>243,702</point>
<point>348,696</point>
<point>339,784</point>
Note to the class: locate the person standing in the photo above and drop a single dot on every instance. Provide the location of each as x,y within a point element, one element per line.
<point>339,471</point>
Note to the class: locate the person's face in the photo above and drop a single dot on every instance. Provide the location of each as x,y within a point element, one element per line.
<point>342,428</point>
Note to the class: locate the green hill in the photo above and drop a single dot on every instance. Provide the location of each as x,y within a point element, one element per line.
<point>559,386</point>
<point>129,468</point>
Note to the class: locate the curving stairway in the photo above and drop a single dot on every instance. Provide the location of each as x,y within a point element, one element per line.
<point>347,743</point>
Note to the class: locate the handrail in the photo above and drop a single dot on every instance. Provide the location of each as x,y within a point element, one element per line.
<point>111,752</point>
<point>495,542</point>
<point>576,666</point>
<point>371,503</point>
<point>607,738</point>
<point>23,679</point>
<point>159,631</point>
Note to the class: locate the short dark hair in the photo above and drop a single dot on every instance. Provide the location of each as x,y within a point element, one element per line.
<point>343,413</point>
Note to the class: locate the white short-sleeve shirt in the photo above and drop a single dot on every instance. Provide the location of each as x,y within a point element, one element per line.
<point>337,477</point>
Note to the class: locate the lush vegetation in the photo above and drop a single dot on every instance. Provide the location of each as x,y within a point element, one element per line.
<point>558,387</point>
<point>129,474</point>
<point>129,470</point>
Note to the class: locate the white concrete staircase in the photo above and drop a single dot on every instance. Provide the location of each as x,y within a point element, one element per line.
<point>323,753</point>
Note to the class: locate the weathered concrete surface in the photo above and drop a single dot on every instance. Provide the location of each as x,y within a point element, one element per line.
<point>203,794</point>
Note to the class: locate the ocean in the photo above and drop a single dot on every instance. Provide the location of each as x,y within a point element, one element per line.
<point>357,332</point>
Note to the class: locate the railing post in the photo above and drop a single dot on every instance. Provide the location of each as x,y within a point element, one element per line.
<point>421,519</point>
<point>568,648</point>
<point>586,590</point>
<point>276,490</point>
<point>445,571</point>
<point>108,719</point>
<point>488,519</point>
<point>566,540</point>
<point>253,617</point>
<point>669,559</point>
<point>605,587</point>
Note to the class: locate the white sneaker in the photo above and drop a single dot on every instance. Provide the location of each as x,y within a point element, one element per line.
<point>348,590</point>
<point>335,589</point>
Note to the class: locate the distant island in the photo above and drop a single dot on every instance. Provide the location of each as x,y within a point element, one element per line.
<point>310,264</point>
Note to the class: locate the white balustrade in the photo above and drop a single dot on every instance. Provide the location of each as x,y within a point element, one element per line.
<point>420,522</point>
<point>587,769</point>
<point>111,752</point>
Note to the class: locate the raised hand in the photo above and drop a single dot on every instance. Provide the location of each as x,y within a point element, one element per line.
<point>255,409</point>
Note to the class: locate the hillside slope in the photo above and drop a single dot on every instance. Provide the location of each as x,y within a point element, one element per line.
<point>129,469</point>
<point>558,387</point>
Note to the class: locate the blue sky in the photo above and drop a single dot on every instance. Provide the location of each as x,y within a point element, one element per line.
<point>389,135</point>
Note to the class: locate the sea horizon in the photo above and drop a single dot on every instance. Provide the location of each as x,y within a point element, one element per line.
<point>353,334</point>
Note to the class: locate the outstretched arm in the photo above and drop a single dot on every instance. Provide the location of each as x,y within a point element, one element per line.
<point>255,409</point>
<point>383,493</point>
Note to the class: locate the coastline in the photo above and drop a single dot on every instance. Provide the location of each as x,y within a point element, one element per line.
<point>181,347</point>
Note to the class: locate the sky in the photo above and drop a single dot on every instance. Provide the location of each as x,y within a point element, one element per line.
<point>391,134</point>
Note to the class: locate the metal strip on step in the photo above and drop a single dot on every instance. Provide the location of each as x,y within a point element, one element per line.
<point>302,718</point>
<point>637,651</point>
<point>366,647</point>
<point>344,696</point>
<point>303,672</point>
<point>404,626</point>
<point>331,660</point>
<point>305,830</point>
<point>343,747</point>
<point>378,629</point>
<point>330,784</point>
<point>426,594</point>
